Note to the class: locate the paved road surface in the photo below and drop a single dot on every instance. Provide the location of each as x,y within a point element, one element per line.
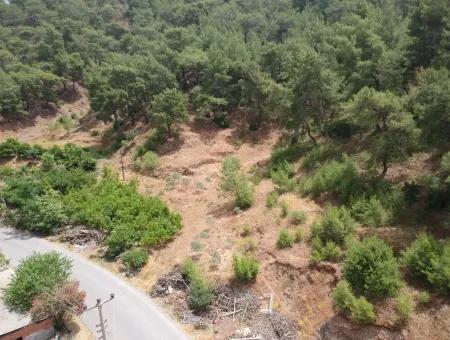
<point>131,315</point>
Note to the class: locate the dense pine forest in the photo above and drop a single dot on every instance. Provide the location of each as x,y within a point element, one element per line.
<point>358,92</point>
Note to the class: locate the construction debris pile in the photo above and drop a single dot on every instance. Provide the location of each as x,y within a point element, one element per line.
<point>235,313</point>
<point>81,235</point>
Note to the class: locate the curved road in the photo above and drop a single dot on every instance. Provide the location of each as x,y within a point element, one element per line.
<point>130,315</point>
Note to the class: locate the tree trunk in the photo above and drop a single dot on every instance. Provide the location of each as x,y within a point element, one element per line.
<point>308,132</point>
<point>385,165</point>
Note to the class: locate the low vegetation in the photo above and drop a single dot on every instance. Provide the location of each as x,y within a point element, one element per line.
<point>285,239</point>
<point>245,267</point>
<point>201,292</point>
<point>233,180</point>
<point>134,259</point>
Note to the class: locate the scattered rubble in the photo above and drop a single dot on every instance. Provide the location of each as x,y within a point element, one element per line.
<point>81,235</point>
<point>239,310</point>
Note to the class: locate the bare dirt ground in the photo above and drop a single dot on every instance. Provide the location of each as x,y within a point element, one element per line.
<point>188,180</point>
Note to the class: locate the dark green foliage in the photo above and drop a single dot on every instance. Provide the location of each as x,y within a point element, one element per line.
<point>340,178</point>
<point>370,212</point>
<point>245,267</point>
<point>285,239</point>
<point>44,214</point>
<point>201,292</point>
<point>39,273</point>
<point>120,209</point>
<point>282,177</point>
<point>336,225</point>
<point>429,259</point>
<point>14,148</point>
<point>362,311</point>
<point>318,155</point>
<point>325,251</point>
<point>371,269</point>
<point>134,259</point>
<point>72,157</point>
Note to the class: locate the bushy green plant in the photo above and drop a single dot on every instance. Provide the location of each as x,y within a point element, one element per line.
<point>318,155</point>
<point>272,199</point>
<point>135,259</point>
<point>298,217</point>
<point>230,172</point>
<point>404,308</point>
<point>445,164</point>
<point>287,154</point>
<point>44,214</point>
<point>155,138</point>
<point>343,296</point>
<point>201,295</point>
<point>149,162</point>
<point>362,311</point>
<point>371,269</point>
<point>285,239</point>
<point>244,196</point>
<point>282,177</point>
<point>38,273</point>
<point>338,177</point>
<point>424,298</point>
<point>14,148</point>
<point>110,205</point>
<point>325,251</point>
<point>336,225</point>
<point>429,260</point>
<point>284,209</point>
<point>246,267</point>
<point>73,156</point>
<point>298,235</point>
<point>370,212</point>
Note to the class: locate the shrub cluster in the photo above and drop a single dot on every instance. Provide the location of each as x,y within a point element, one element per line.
<point>285,239</point>
<point>371,269</point>
<point>246,267</point>
<point>361,310</point>
<point>429,259</point>
<point>14,148</point>
<point>318,155</point>
<point>147,163</point>
<point>201,292</point>
<point>282,176</point>
<point>233,180</point>
<point>39,273</point>
<point>336,226</point>
<point>134,259</point>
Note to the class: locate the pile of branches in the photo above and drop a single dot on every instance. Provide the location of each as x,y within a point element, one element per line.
<point>173,280</point>
<point>80,235</point>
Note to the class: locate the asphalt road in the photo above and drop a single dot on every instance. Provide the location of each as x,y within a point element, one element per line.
<point>130,315</point>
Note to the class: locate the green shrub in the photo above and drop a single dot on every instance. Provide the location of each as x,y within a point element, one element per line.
<point>285,239</point>
<point>343,296</point>
<point>340,178</point>
<point>134,259</point>
<point>38,273</point>
<point>282,177</point>
<point>298,235</point>
<point>230,172</point>
<point>148,163</point>
<point>155,138</point>
<point>44,214</point>
<point>287,154</point>
<point>370,212</point>
<point>110,205</point>
<point>371,269</point>
<point>424,298</point>
<point>336,225</point>
<point>404,308</point>
<point>13,148</point>
<point>362,311</point>
<point>243,193</point>
<point>201,295</point>
<point>284,209</point>
<point>246,267</point>
<point>272,199</point>
<point>445,165</point>
<point>325,251</point>
<point>318,155</point>
<point>429,260</point>
<point>73,156</point>
<point>298,217</point>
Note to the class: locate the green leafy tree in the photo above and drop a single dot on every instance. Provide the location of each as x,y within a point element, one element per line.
<point>390,131</point>
<point>169,109</point>
<point>36,274</point>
